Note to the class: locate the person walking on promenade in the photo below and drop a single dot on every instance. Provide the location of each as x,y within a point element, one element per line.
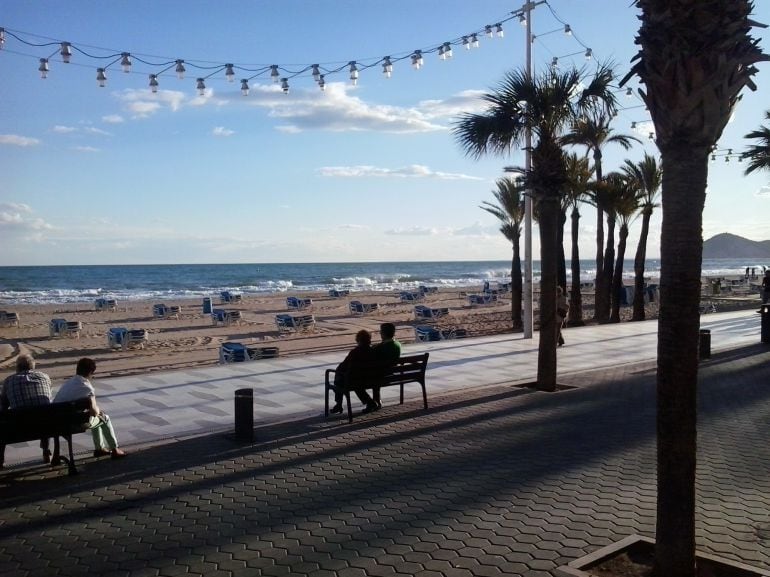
<point>562,310</point>
<point>80,387</point>
<point>766,287</point>
<point>352,371</point>
<point>26,388</point>
<point>386,353</point>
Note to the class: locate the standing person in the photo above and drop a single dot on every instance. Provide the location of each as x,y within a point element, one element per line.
<point>80,387</point>
<point>562,310</point>
<point>26,388</point>
<point>352,370</point>
<point>386,353</point>
<point>766,287</point>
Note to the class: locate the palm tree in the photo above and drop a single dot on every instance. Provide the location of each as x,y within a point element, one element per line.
<point>626,206</point>
<point>683,74</point>
<point>509,210</point>
<point>546,105</point>
<point>648,176</point>
<point>579,174</point>
<point>594,132</point>
<point>759,154</point>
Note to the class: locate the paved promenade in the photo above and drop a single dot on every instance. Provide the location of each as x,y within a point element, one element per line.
<point>494,479</point>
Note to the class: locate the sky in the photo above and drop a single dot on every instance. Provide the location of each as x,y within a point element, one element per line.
<point>365,172</point>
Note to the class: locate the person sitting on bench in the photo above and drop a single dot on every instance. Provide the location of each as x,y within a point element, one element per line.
<point>352,370</point>
<point>80,387</point>
<point>386,353</point>
<point>27,388</point>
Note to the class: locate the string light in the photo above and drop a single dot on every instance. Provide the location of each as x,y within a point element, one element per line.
<point>229,72</point>
<point>316,72</point>
<point>274,74</point>
<point>353,72</point>
<point>154,83</point>
<point>244,86</point>
<point>417,59</point>
<point>43,68</point>
<point>474,40</point>
<point>522,19</point>
<point>200,84</point>
<point>568,30</point>
<point>499,30</point>
<point>66,52</point>
<point>180,69</point>
<point>2,38</point>
<point>125,62</point>
<point>387,67</point>
<point>488,31</point>
<point>285,85</point>
<point>101,77</point>
<point>322,83</point>
<point>589,54</point>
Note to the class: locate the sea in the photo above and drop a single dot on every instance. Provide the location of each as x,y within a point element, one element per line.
<point>74,283</point>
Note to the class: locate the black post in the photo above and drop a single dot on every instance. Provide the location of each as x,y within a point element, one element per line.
<point>765,312</point>
<point>244,414</point>
<point>704,349</point>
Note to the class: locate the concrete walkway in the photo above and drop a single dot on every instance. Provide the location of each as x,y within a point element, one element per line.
<point>493,479</point>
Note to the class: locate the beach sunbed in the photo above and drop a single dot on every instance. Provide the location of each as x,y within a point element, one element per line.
<point>103,304</point>
<point>225,317</point>
<point>335,293</point>
<point>424,333</point>
<point>423,313</point>
<point>126,338</point>
<point>9,319</point>
<point>288,323</point>
<point>230,297</point>
<point>482,299</point>
<point>162,311</point>
<point>230,352</point>
<point>410,296</point>
<point>428,289</point>
<point>357,308</point>
<point>64,328</point>
<point>298,304</point>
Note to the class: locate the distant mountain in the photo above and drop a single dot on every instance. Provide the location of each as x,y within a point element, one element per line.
<point>727,245</point>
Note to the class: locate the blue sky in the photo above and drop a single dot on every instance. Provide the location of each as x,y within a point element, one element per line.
<point>119,175</point>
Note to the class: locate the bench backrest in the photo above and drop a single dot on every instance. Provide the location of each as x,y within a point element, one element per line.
<point>41,421</point>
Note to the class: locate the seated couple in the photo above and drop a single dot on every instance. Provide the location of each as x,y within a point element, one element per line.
<point>361,366</point>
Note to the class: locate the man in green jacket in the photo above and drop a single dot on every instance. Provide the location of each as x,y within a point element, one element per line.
<point>387,352</point>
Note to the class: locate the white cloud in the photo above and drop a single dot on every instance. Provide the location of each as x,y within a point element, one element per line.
<point>143,103</point>
<point>222,131</point>
<point>644,129</point>
<point>94,130</point>
<point>113,119</point>
<point>410,171</point>
<point>763,191</point>
<point>412,231</point>
<point>353,227</point>
<point>16,140</point>
<point>476,229</point>
<point>18,220</point>
<point>85,149</point>
<point>59,129</point>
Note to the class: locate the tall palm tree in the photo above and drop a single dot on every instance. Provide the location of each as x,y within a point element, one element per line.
<point>594,132</point>
<point>683,75</point>
<point>509,210</point>
<point>626,207</point>
<point>758,154</point>
<point>546,105</point>
<point>648,176</point>
<point>579,174</point>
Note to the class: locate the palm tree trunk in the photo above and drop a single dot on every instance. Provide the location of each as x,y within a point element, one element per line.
<point>684,184</point>
<point>576,298</point>
<point>609,263</point>
<point>516,286</point>
<point>617,278</point>
<point>562,274</point>
<point>546,357</point>
<point>639,262</point>
<point>599,303</point>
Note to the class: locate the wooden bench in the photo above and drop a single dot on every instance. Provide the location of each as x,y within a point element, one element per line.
<point>409,369</point>
<point>45,421</point>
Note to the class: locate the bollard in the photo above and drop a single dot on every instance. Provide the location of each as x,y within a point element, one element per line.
<point>244,415</point>
<point>765,332</point>
<point>704,349</point>
<point>207,307</point>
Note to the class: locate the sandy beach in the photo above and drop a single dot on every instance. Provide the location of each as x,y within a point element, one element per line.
<point>192,340</point>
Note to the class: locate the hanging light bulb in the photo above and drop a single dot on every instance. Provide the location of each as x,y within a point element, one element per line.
<point>713,157</point>
<point>447,51</point>
<point>274,74</point>
<point>2,38</point>
<point>201,86</point>
<point>589,54</point>
<point>499,30</point>
<point>316,72</point>
<point>66,52</point>
<point>568,30</point>
<point>522,19</point>
<point>441,52</point>
<point>488,31</point>
<point>101,77</point>
<point>727,158</point>
<point>285,85</point>
<point>154,83</point>
<point>322,83</point>
<point>652,135</point>
<point>417,59</point>
<point>466,43</point>
<point>633,125</point>
<point>180,69</point>
<point>474,40</point>
<point>125,61</point>
<point>43,68</point>
<point>555,62</point>
<point>244,87</point>
<point>229,72</point>
<point>387,67</point>
<point>629,92</point>
<point>353,72</point>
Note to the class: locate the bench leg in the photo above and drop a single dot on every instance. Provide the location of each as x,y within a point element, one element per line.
<point>350,410</point>
<point>71,469</point>
<point>326,404</point>
<point>401,400</point>
<point>424,397</point>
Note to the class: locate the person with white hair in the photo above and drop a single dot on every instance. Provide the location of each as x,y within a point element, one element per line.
<point>27,388</point>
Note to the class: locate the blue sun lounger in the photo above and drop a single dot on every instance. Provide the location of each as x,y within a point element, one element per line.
<point>103,304</point>
<point>162,311</point>
<point>9,319</point>
<point>230,352</point>
<point>225,317</point>
<point>482,299</point>
<point>64,328</point>
<point>298,304</point>
<point>126,338</point>
<point>357,308</point>
<point>230,297</point>
<point>428,289</point>
<point>336,293</point>
<point>287,323</point>
<point>423,313</point>
<point>410,296</point>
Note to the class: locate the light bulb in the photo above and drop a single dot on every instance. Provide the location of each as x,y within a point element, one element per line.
<point>66,52</point>
<point>447,51</point>
<point>522,20</point>
<point>43,68</point>
<point>589,54</point>
<point>466,43</point>
<point>387,67</point>
<point>322,83</point>
<point>353,72</point>
<point>285,85</point>
<point>180,69</point>
<point>499,30</point>
<point>244,87</point>
<point>201,86</point>
<point>229,72</point>
<point>274,74</point>
<point>154,83</point>
<point>417,59</point>
<point>101,77</point>
<point>488,31</point>
<point>474,40</point>
<point>567,30</point>
<point>316,72</point>
<point>125,62</point>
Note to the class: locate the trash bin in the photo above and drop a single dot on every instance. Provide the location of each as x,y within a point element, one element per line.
<point>207,305</point>
<point>704,348</point>
<point>765,332</point>
<point>244,414</point>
